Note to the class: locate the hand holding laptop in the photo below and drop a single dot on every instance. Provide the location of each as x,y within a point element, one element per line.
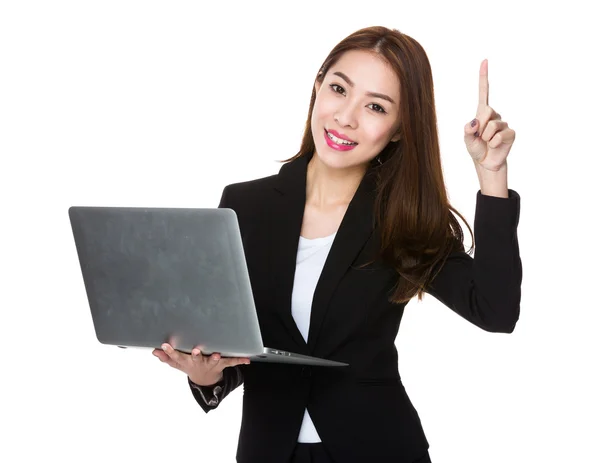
<point>204,370</point>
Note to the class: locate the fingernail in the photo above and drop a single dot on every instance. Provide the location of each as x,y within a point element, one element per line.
<point>473,122</point>
<point>476,134</point>
<point>164,347</point>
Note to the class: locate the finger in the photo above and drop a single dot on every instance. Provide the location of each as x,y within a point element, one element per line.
<point>198,347</point>
<point>471,129</point>
<point>484,87</point>
<point>164,358</point>
<point>211,360</point>
<point>177,357</point>
<point>492,128</point>
<point>505,136</point>
<point>160,354</point>
<point>196,355</point>
<point>484,115</point>
<point>233,361</point>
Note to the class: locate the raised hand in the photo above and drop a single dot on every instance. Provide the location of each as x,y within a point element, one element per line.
<point>487,137</point>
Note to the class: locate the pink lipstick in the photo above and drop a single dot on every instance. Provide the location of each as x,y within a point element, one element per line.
<point>334,145</point>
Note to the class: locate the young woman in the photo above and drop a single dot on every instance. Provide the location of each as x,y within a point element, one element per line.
<point>351,228</point>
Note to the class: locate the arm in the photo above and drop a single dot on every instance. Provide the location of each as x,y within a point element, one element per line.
<point>486,289</point>
<point>209,397</point>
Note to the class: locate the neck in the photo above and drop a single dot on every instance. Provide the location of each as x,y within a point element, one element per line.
<point>330,187</point>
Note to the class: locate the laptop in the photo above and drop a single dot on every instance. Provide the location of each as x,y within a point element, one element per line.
<point>176,275</point>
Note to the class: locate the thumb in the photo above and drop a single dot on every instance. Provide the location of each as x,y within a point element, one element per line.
<point>472,131</point>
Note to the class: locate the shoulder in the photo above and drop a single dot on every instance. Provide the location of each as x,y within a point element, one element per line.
<point>242,196</point>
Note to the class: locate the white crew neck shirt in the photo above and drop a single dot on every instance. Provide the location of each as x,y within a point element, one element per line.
<point>310,260</point>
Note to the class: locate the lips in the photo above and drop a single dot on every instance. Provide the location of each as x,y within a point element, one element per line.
<point>339,135</point>
<point>334,145</point>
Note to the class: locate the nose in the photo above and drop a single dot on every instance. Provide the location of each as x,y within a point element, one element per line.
<point>346,116</point>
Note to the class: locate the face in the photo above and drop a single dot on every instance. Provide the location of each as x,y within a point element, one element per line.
<point>353,103</point>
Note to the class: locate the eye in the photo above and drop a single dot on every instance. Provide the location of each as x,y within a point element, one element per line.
<point>335,85</point>
<point>380,110</point>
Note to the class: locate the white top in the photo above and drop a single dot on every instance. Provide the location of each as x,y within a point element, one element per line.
<point>309,265</point>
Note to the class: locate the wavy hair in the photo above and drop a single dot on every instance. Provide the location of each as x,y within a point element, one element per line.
<point>411,208</point>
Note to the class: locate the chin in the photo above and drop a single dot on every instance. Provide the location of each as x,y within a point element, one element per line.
<point>340,160</point>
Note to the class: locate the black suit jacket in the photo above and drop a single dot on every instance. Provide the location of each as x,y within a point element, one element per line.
<point>362,412</point>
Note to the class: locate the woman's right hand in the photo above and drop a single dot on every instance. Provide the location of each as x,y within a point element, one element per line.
<point>204,370</point>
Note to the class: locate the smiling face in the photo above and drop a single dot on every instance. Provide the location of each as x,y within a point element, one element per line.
<point>353,103</point>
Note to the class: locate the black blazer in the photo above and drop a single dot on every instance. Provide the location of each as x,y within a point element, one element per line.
<point>362,412</point>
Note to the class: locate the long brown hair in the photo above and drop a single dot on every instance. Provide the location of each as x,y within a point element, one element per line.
<point>418,229</point>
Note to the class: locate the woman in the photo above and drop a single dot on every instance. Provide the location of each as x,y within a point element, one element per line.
<point>352,227</point>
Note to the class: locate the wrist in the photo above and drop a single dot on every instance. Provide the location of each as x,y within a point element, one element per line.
<point>493,182</point>
<point>207,381</point>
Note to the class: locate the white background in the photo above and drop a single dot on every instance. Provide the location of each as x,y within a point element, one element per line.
<point>147,103</point>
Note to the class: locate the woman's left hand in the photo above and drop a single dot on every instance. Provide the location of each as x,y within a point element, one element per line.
<point>487,137</point>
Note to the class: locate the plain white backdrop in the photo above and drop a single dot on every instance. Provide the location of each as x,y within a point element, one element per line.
<point>149,103</point>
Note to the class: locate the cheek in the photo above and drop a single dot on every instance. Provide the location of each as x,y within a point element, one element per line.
<point>324,107</point>
<point>316,114</point>
<point>377,133</point>
<point>316,120</point>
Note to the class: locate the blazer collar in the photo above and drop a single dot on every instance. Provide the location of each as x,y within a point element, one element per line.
<point>286,222</point>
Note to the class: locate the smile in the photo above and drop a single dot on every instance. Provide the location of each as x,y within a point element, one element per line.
<point>340,141</point>
<point>337,143</point>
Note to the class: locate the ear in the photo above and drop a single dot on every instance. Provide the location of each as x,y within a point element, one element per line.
<point>398,135</point>
<point>317,83</point>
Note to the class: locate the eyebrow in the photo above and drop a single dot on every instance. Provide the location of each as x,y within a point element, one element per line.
<point>373,94</point>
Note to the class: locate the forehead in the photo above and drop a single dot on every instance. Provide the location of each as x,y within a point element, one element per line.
<point>369,72</point>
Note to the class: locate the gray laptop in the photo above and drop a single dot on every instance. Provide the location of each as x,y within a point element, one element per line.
<point>176,275</point>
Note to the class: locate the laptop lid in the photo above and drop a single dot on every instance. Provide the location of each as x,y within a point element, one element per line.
<point>176,275</point>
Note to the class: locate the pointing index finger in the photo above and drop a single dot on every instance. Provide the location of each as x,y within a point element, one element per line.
<point>484,87</point>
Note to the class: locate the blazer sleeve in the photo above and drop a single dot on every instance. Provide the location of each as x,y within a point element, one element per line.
<point>209,397</point>
<point>486,289</point>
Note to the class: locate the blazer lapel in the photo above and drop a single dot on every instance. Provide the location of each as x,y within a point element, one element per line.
<point>355,230</point>
<point>286,223</point>
<point>287,212</point>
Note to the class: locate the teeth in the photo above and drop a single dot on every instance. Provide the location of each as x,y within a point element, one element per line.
<point>339,141</point>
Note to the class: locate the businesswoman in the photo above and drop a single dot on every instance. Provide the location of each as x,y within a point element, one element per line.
<point>351,228</point>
